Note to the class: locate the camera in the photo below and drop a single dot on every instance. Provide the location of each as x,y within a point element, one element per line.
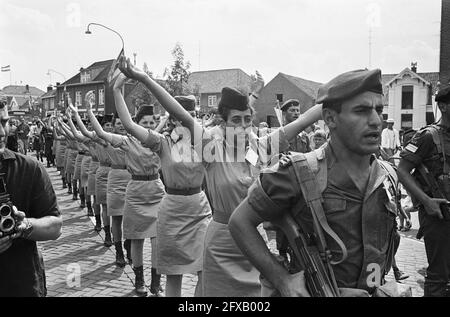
<point>8,220</point>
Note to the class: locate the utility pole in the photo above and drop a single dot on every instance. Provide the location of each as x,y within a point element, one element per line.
<point>134,54</point>
<point>370,47</point>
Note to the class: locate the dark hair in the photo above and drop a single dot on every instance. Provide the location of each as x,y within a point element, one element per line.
<point>2,105</point>
<point>225,112</point>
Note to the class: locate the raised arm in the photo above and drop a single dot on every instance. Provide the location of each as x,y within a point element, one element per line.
<point>66,129</point>
<point>167,101</point>
<point>83,129</point>
<point>108,137</point>
<point>133,128</point>
<point>78,136</point>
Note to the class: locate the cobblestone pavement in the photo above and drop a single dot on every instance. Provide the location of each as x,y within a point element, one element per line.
<point>78,265</point>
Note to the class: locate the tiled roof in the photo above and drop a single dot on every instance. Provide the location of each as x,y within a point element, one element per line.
<point>49,94</point>
<point>309,87</point>
<point>213,81</point>
<point>105,65</point>
<point>21,90</point>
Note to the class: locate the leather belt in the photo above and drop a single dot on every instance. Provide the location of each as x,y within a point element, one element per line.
<point>119,167</point>
<point>183,192</point>
<point>105,164</point>
<point>145,177</point>
<point>221,217</point>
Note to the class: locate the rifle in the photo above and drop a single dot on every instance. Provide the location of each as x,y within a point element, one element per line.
<point>435,189</point>
<point>319,277</point>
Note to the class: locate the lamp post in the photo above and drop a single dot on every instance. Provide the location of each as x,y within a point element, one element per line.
<point>88,31</point>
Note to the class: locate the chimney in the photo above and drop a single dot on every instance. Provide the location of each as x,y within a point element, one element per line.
<point>414,67</point>
<point>49,88</point>
<point>58,84</point>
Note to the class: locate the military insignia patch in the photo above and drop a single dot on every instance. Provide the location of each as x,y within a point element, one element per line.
<point>411,148</point>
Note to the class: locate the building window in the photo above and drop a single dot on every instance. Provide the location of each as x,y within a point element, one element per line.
<point>85,77</point>
<point>407,97</point>
<point>407,121</point>
<point>212,101</point>
<point>78,98</point>
<point>101,96</point>
<point>280,98</point>
<point>385,116</point>
<point>430,118</point>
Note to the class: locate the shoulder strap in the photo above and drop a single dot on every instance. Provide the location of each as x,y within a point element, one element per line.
<point>434,130</point>
<point>310,188</point>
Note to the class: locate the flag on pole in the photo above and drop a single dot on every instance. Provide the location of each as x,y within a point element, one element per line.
<point>6,68</point>
<point>115,71</point>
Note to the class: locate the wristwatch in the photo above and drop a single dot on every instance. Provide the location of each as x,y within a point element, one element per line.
<point>28,229</point>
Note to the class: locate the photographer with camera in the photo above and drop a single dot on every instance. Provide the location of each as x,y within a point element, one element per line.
<point>28,213</point>
<point>428,153</point>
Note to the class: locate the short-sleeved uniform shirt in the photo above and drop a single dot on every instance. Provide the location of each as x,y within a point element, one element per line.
<point>140,160</point>
<point>422,149</point>
<point>180,168</point>
<point>300,144</point>
<point>21,266</point>
<point>363,220</point>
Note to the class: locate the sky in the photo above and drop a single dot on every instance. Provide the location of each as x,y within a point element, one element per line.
<point>311,39</point>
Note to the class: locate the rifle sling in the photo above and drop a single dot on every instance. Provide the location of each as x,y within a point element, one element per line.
<point>313,197</point>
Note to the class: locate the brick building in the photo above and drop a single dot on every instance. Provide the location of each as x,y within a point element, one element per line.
<point>207,85</point>
<point>284,87</point>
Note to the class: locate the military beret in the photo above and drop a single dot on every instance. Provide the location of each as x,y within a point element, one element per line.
<point>233,99</point>
<point>289,103</point>
<point>107,118</point>
<point>443,95</point>
<point>144,110</point>
<point>188,102</point>
<point>350,84</point>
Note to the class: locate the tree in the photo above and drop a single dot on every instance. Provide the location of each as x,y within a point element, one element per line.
<point>176,77</point>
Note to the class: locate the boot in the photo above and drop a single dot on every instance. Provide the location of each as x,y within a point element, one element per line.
<point>90,212</point>
<point>64,185</point>
<point>98,223</point>
<point>120,260</point>
<point>83,199</point>
<point>139,284</point>
<point>108,241</point>
<point>75,190</point>
<point>155,286</point>
<point>127,246</point>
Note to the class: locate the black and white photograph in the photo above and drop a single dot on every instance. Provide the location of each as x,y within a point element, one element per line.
<point>224,153</point>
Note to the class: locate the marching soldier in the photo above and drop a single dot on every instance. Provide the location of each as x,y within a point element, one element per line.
<point>428,153</point>
<point>291,112</point>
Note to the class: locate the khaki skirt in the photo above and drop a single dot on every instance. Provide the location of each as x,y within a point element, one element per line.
<point>77,171</point>
<point>93,167</point>
<point>116,190</point>
<point>101,184</point>
<point>85,165</point>
<point>181,230</point>
<point>142,204</point>
<point>71,158</point>
<point>226,271</point>
<point>60,155</point>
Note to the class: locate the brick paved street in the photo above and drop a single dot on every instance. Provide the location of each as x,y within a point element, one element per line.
<point>80,249</point>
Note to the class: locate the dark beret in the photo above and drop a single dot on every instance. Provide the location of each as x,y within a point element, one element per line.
<point>187,102</point>
<point>233,99</point>
<point>289,103</point>
<point>107,118</point>
<point>144,110</point>
<point>443,95</point>
<point>350,84</point>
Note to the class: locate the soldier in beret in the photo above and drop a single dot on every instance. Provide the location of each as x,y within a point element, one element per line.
<point>291,111</point>
<point>430,147</point>
<point>356,190</point>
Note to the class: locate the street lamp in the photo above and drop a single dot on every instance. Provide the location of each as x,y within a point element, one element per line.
<point>88,31</point>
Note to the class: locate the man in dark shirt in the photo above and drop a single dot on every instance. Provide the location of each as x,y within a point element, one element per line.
<point>30,191</point>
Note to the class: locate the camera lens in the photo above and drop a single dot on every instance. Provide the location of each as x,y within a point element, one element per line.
<point>7,225</point>
<point>5,210</point>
